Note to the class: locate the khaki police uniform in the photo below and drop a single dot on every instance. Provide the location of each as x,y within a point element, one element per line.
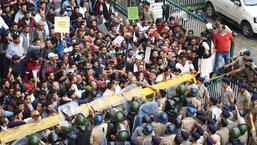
<point>244,100</point>
<point>228,96</point>
<point>98,134</point>
<point>203,95</point>
<point>188,124</point>
<point>140,139</point>
<point>196,103</point>
<point>168,140</point>
<point>144,139</point>
<point>186,143</point>
<point>244,138</point>
<point>159,128</point>
<point>224,134</point>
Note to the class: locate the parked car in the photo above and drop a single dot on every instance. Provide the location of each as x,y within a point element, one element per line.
<point>242,13</point>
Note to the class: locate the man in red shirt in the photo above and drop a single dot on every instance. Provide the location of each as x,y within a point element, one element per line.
<point>222,46</point>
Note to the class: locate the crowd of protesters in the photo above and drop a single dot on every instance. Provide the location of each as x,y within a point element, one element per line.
<point>41,70</point>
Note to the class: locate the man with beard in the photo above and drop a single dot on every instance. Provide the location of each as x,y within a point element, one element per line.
<point>13,29</point>
<point>20,14</point>
<point>152,78</point>
<point>47,49</point>
<point>33,67</point>
<point>27,20</point>
<point>50,65</point>
<point>17,66</point>
<point>4,91</point>
<point>111,22</point>
<point>244,98</point>
<point>49,110</point>
<point>40,98</point>
<point>15,48</point>
<point>204,54</point>
<point>25,37</point>
<point>38,32</point>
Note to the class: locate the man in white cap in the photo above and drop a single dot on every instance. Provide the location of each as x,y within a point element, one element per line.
<point>50,65</point>
<point>209,30</point>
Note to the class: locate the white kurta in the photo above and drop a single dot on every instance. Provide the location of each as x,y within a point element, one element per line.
<point>206,64</point>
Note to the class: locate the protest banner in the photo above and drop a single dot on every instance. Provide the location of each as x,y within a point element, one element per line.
<point>117,41</point>
<point>147,54</point>
<point>132,13</point>
<point>61,24</point>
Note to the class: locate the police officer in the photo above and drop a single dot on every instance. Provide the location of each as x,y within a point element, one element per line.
<point>33,139</point>
<point>201,132</point>
<point>213,107</point>
<point>203,92</point>
<point>193,94</point>
<point>180,97</point>
<point>83,130</point>
<point>244,133</point>
<point>244,98</point>
<point>185,135</point>
<point>139,131</point>
<point>122,134</point>
<point>239,62</point>
<point>245,73</point>
<point>234,134</point>
<point>194,137</point>
<point>134,107</point>
<point>212,129</point>
<point>98,134</point>
<point>201,119</point>
<point>146,138</point>
<point>170,134</point>
<point>68,136</point>
<point>118,115</point>
<point>159,127</point>
<point>227,93</point>
<point>178,140</point>
<point>189,122</point>
<point>54,139</point>
<point>228,115</point>
<point>224,131</point>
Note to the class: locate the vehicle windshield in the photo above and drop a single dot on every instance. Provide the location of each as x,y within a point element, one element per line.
<point>250,2</point>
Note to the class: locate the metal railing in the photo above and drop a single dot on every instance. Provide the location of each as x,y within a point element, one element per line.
<point>189,2</point>
<point>190,20</point>
<point>215,88</point>
<point>120,7</point>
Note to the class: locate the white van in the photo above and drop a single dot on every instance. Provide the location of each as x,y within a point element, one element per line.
<point>243,13</point>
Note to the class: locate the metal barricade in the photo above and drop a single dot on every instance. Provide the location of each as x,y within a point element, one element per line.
<point>189,2</point>
<point>215,88</point>
<point>190,21</point>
